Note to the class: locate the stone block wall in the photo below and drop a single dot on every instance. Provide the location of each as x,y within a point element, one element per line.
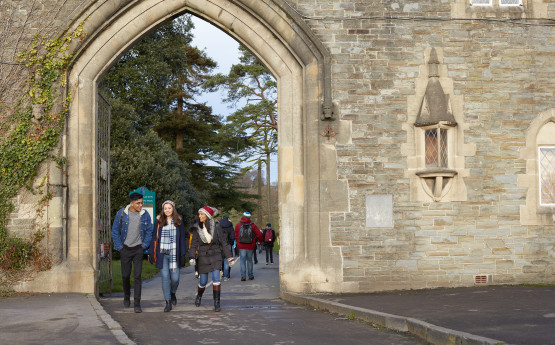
<point>503,71</point>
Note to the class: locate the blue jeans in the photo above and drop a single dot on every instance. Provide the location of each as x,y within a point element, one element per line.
<point>246,262</point>
<point>170,278</point>
<point>204,278</point>
<point>226,268</point>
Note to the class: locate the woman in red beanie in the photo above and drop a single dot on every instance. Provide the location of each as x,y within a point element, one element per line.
<point>209,243</point>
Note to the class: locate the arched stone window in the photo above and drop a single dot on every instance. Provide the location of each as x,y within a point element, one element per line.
<point>539,179</point>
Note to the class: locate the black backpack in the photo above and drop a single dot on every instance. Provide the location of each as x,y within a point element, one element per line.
<point>245,233</point>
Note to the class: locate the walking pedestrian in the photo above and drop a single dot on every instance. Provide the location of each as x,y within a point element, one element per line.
<point>247,235</point>
<point>168,249</point>
<point>229,233</point>
<point>269,236</point>
<point>132,233</point>
<point>211,246</point>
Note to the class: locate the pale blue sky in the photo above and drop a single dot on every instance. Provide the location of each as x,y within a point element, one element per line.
<point>224,50</point>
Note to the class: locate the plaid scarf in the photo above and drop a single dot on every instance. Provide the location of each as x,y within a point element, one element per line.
<point>168,244</point>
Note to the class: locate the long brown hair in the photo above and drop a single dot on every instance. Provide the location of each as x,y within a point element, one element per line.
<point>162,220</point>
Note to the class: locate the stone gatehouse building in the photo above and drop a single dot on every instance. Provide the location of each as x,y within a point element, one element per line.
<point>416,141</point>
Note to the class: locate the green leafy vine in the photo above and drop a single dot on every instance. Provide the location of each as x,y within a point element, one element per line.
<point>37,122</point>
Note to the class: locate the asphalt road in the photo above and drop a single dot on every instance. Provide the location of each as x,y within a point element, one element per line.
<point>252,313</point>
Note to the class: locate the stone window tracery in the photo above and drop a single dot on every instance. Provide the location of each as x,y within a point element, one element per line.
<point>435,148</point>
<point>499,9</point>
<point>539,179</point>
<point>500,2</point>
<point>546,164</point>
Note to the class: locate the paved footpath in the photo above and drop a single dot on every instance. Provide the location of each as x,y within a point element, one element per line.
<point>60,319</point>
<point>512,314</point>
<point>252,313</point>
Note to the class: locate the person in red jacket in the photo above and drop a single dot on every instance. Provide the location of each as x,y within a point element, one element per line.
<point>246,235</point>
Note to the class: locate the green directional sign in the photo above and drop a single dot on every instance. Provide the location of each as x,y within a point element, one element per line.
<point>149,199</point>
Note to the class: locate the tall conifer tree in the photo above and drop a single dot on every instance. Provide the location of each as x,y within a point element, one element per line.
<point>161,77</point>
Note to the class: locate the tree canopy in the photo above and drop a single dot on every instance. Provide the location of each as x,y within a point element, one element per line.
<point>253,126</point>
<point>155,87</point>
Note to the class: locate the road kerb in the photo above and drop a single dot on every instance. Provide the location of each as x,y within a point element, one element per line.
<point>431,333</point>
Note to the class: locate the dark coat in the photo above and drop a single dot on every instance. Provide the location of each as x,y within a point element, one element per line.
<point>210,255</point>
<point>229,232</point>
<point>181,244</point>
<point>257,234</point>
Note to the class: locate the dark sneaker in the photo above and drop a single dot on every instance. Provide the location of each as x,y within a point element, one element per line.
<point>138,309</point>
<point>243,279</point>
<point>173,299</point>
<point>251,278</point>
<point>126,301</point>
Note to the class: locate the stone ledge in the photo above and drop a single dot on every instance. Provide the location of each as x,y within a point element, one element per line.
<point>431,333</point>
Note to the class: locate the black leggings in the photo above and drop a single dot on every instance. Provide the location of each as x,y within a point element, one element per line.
<point>269,253</point>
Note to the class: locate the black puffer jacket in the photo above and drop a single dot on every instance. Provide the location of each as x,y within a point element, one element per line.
<point>228,230</point>
<point>209,255</point>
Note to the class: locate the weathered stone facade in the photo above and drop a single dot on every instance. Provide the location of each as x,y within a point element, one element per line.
<point>477,215</point>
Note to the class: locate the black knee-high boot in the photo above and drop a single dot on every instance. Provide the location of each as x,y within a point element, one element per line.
<point>216,290</point>
<point>200,291</point>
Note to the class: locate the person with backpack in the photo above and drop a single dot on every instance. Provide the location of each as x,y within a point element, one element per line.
<point>269,236</point>
<point>229,233</point>
<point>209,246</point>
<point>246,235</point>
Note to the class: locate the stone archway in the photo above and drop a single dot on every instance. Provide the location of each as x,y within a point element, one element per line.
<point>307,163</point>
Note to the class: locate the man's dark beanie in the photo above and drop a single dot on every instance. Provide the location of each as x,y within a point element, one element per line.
<point>135,196</point>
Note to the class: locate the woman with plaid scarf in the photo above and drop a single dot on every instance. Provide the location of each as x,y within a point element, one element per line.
<point>168,250</point>
<point>211,247</point>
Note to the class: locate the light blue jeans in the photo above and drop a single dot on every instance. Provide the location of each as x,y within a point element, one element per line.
<point>227,269</point>
<point>245,256</point>
<point>204,278</point>
<point>170,279</point>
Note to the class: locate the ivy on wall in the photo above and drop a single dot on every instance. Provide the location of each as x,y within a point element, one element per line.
<point>37,122</point>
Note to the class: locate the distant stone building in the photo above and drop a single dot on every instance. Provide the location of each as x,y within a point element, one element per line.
<point>416,140</point>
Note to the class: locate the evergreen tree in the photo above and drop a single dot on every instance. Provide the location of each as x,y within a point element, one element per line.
<point>160,77</point>
<point>254,126</point>
<point>139,158</point>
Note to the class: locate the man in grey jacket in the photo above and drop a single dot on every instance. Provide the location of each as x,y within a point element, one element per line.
<point>132,233</point>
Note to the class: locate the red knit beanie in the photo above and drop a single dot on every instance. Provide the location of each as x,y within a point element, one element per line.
<point>208,211</point>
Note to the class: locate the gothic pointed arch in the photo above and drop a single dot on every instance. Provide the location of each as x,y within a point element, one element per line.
<point>307,168</point>
<point>539,179</point>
